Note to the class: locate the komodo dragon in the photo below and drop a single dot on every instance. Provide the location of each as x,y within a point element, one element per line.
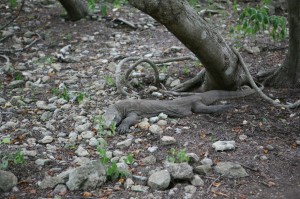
<point>127,112</point>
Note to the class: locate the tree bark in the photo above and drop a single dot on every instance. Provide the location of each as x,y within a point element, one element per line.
<point>289,74</point>
<point>76,9</point>
<point>222,68</point>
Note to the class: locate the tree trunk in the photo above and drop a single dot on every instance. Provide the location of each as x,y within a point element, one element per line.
<point>221,64</point>
<point>289,74</point>
<point>76,9</point>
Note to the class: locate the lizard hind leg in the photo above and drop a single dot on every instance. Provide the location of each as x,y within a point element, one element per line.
<point>202,108</point>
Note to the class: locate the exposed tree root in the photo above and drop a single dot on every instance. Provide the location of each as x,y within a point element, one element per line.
<point>140,60</point>
<point>191,83</point>
<point>21,49</point>
<point>258,90</point>
<point>7,63</point>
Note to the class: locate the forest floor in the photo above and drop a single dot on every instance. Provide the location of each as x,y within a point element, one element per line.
<point>267,137</point>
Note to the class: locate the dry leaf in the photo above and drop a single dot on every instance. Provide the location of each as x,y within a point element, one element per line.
<point>87,194</point>
<point>216,184</point>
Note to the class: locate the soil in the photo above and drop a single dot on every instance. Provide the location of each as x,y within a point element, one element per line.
<point>273,173</point>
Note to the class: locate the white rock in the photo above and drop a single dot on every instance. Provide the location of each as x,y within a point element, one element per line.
<point>153,119</point>
<point>152,149</point>
<point>155,129</point>
<point>87,134</point>
<point>81,151</point>
<point>162,123</point>
<point>46,139</point>
<point>144,125</point>
<point>167,140</point>
<point>163,116</point>
<point>224,145</point>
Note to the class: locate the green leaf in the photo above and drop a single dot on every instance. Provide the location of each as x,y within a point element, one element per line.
<point>6,140</point>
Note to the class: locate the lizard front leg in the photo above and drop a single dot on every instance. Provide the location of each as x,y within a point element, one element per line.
<point>131,119</point>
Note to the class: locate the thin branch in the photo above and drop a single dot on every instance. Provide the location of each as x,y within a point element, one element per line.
<point>215,180</point>
<point>140,60</point>
<point>21,49</point>
<point>20,9</point>
<point>259,91</point>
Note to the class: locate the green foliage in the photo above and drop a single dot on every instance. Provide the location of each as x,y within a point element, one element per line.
<point>12,3</point>
<point>129,159</point>
<point>5,140</point>
<point>254,20</point>
<point>61,93</point>
<point>100,123</point>
<point>177,156</point>
<point>110,81</point>
<point>91,5</point>
<point>112,170</point>
<point>45,60</point>
<point>18,76</point>
<point>16,158</point>
<point>80,97</point>
<point>193,2</point>
<point>186,70</point>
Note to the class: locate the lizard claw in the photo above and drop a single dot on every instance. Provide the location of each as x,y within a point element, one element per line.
<point>122,129</point>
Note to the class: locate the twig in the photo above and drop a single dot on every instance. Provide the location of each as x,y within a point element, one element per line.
<point>7,62</point>
<point>21,49</point>
<point>215,180</point>
<point>140,60</point>
<point>2,39</point>
<point>259,91</point>
<point>21,7</point>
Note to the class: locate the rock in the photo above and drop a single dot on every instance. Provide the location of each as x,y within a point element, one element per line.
<point>243,137</point>
<point>141,180</point>
<point>162,123</point>
<point>151,159</point>
<point>298,142</point>
<point>144,125</point>
<point>31,153</point>
<point>7,181</point>
<point>87,134</point>
<point>270,147</point>
<point>8,125</point>
<point>139,188</point>
<point>152,149</point>
<point>81,151</point>
<point>157,94</point>
<point>87,177</point>
<point>193,157</point>
<point>159,180</point>
<point>197,181</point>
<point>168,140</point>
<point>42,162</point>
<point>83,127</point>
<point>125,143</point>
<point>224,145</point>
<point>180,171</point>
<point>15,83</point>
<point>42,105</point>
<point>203,169</point>
<point>263,158</point>
<point>51,182</point>
<point>128,183</point>
<point>46,139</point>
<point>155,129</point>
<point>207,161</point>
<point>112,66</point>
<point>153,119</point>
<point>60,189</point>
<point>230,170</point>
<point>174,83</point>
<point>81,161</point>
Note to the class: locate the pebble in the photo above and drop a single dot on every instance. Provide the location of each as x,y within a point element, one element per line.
<point>155,129</point>
<point>168,140</point>
<point>46,139</point>
<point>81,151</point>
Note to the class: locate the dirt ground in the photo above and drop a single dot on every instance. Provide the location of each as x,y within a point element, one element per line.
<point>274,172</point>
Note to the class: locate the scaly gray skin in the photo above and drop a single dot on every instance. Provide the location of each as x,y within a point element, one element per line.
<point>127,112</point>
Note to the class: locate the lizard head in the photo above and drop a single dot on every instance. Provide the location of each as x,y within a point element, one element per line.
<point>111,115</point>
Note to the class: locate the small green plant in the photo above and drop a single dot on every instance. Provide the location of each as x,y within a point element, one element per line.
<point>45,60</point>
<point>61,93</point>
<point>186,70</point>
<point>91,5</point>
<point>112,170</point>
<point>12,3</point>
<point>100,123</point>
<point>80,97</point>
<point>5,140</point>
<point>129,159</point>
<point>110,81</point>
<point>177,156</point>
<point>254,20</point>
<point>18,76</point>
<point>16,158</point>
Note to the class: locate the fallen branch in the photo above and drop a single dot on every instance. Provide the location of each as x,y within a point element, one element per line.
<point>258,90</point>
<point>140,60</point>
<point>215,180</point>
<point>21,7</point>
<point>22,49</point>
<point>6,64</point>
